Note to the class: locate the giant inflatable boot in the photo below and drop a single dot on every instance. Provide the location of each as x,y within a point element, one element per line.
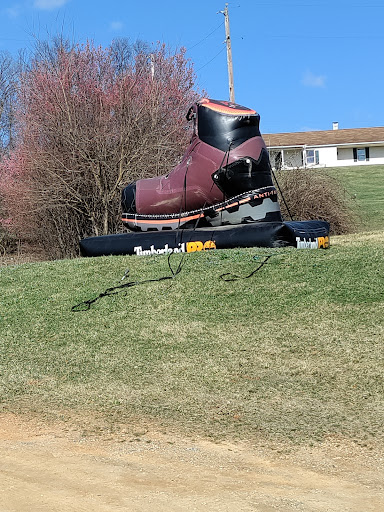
<point>221,195</point>
<point>226,164</point>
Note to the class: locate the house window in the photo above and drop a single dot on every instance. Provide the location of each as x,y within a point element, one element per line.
<point>361,154</point>
<point>312,157</point>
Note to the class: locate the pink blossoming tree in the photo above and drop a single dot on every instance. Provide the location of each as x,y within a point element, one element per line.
<point>90,122</point>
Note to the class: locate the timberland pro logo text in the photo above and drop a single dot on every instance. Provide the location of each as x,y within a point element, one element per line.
<point>200,246</point>
<point>321,242</point>
<point>181,247</point>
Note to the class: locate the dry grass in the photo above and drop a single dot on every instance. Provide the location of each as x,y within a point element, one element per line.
<point>17,252</point>
<point>315,194</point>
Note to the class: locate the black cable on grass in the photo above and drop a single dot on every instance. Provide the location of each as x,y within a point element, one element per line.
<point>233,277</point>
<point>114,290</point>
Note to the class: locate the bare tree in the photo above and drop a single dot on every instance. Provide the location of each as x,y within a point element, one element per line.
<point>90,121</point>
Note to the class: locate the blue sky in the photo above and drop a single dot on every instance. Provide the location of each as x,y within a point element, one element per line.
<point>302,64</point>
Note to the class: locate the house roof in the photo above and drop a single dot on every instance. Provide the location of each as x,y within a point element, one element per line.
<point>326,137</point>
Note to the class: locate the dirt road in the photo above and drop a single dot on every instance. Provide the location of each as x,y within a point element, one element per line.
<point>48,469</point>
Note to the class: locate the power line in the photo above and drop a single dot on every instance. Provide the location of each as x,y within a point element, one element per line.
<point>206,37</point>
<point>213,58</point>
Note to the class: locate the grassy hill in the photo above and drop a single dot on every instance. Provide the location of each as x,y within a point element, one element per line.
<point>366,185</point>
<point>293,352</point>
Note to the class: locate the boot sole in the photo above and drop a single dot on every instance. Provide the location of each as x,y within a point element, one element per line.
<point>252,206</point>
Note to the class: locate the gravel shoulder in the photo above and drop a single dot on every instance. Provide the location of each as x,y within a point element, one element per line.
<point>55,468</point>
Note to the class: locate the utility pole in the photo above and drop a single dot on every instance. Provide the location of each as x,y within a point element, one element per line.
<point>229,54</point>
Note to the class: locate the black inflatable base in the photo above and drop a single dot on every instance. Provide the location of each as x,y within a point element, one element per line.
<point>311,234</point>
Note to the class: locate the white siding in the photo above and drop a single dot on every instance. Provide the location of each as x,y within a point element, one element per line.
<point>330,156</point>
<point>345,156</point>
<point>327,157</point>
<point>376,153</point>
<point>339,157</point>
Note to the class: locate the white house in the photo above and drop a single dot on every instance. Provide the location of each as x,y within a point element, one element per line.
<point>329,148</point>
